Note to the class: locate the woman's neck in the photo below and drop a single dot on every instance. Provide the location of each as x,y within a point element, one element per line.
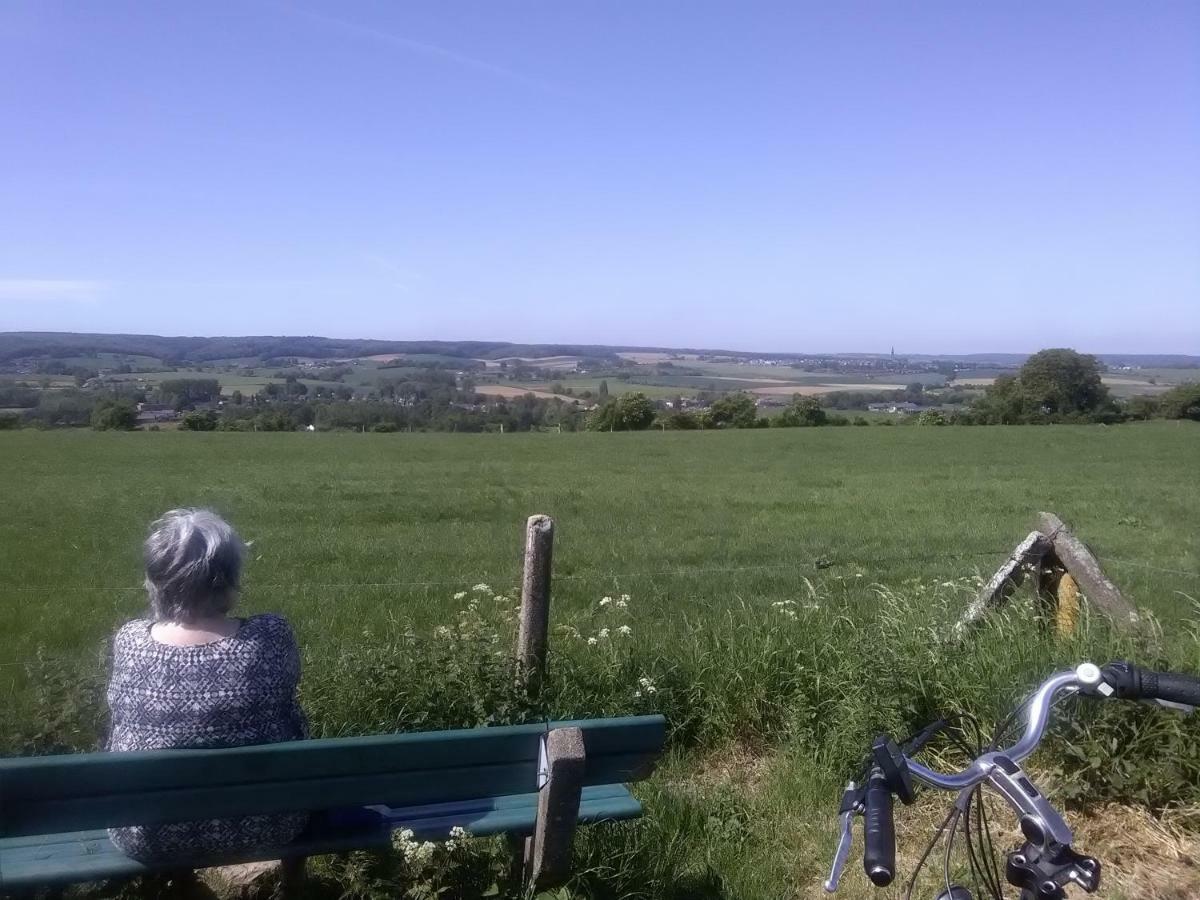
<point>195,631</point>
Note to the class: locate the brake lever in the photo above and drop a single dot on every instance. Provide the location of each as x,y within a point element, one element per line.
<point>853,803</point>
<point>1181,708</point>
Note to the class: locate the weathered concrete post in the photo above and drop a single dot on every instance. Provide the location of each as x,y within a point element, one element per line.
<point>1028,555</point>
<point>535,601</point>
<point>1078,560</point>
<point>558,809</point>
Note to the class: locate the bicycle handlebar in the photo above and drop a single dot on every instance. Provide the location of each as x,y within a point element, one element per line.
<point>1084,676</point>
<point>1122,680</point>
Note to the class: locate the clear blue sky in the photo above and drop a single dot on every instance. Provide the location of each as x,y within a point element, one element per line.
<point>938,176</point>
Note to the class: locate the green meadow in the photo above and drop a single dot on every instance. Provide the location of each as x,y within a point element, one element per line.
<point>788,591</point>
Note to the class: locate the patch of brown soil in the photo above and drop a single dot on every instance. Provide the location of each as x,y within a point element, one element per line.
<point>1143,857</point>
<point>740,766</point>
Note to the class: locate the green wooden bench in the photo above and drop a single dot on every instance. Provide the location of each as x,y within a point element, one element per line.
<point>523,780</point>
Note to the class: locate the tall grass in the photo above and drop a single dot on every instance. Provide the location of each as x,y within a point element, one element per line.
<point>790,695</point>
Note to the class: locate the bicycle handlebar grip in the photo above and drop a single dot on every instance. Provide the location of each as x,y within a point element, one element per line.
<point>1171,686</point>
<point>1132,682</point>
<point>879,832</point>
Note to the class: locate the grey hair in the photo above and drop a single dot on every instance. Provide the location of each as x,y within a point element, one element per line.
<point>193,565</point>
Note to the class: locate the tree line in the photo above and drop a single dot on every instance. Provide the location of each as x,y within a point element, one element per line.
<point>1053,386</point>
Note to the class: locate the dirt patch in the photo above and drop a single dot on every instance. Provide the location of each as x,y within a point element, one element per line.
<point>1143,857</point>
<point>541,362</point>
<point>650,358</point>
<point>970,382</point>
<point>741,766</point>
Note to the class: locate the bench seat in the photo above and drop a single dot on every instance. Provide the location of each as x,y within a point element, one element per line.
<point>500,780</point>
<point>27,862</point>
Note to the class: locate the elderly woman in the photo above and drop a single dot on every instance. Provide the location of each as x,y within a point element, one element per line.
<point>192,676</point>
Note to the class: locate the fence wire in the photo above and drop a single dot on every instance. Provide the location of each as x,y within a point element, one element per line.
<point>819,565</point>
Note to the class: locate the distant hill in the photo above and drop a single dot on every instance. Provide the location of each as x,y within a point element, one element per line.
<point>198,350</point>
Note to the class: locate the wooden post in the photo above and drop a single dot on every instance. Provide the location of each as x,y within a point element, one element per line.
<point>549,860</point>
<point>1007,579</point>
<point>1078,560</point>
<point>1066,609</point>
<point>535,601</point>
<point>1049,574</point>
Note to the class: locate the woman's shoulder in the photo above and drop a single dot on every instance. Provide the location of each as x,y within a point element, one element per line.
<point>271,625</point>
<point>132,632</point>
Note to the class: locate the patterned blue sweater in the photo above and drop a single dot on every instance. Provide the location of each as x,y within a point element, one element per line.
<point>229,693</point>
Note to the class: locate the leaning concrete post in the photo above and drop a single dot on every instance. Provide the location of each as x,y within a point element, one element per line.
<point>1007,579</point>
<point>558,809</point>
<point>535,601</point>
<point>1078,560</point>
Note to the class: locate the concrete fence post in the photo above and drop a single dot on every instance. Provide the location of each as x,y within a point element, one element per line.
<point>535,602</point>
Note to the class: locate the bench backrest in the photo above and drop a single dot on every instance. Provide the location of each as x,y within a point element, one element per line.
<point>55,794</point>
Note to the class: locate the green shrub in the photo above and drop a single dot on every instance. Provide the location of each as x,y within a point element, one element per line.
<point>116,415</point>
<point>205,420</point>
<point>1181,402</point>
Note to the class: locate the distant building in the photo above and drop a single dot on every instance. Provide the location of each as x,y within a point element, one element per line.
<point>895,408</point>
<point>154,416</point>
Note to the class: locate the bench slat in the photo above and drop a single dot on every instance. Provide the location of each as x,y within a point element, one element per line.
<point>104,774</point>
<point>428,810</point>
<point>90,856</point>
<point>397,788</point>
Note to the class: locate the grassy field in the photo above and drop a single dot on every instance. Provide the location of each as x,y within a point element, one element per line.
<point>785,588</point>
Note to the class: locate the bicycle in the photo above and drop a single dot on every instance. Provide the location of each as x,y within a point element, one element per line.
<point>1046,863</point>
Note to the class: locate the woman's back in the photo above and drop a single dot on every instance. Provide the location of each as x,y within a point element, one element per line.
<point>227,693</point>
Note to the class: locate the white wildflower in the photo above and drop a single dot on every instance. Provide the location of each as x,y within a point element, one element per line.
<point>458,838</point>
<point>625,629</point>
<point>441,632</point>
<point>592,642</point>
<point>402,841</point>
<point>622,604</point>
<point>858,575</point>
<point>625,598</point>
<point>421,853</point>
<point>602,633</point>
<point>637,695</point>
<point>604,601</point>
<point>481,588</point>
<point>647,685</point>
<point>460,595</point>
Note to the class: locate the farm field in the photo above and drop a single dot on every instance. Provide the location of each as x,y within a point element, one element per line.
<point>520,390</point>
<point>813,390</point>
<point>1131,385</point>
<point>230,381</point>
<point>871,537</point>
<point>787,373</point>
<point>616,387</point>
<point>418,507</point>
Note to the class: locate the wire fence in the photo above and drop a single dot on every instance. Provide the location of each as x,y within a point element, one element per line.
<point>860,560</point>
<point>819,564</point>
